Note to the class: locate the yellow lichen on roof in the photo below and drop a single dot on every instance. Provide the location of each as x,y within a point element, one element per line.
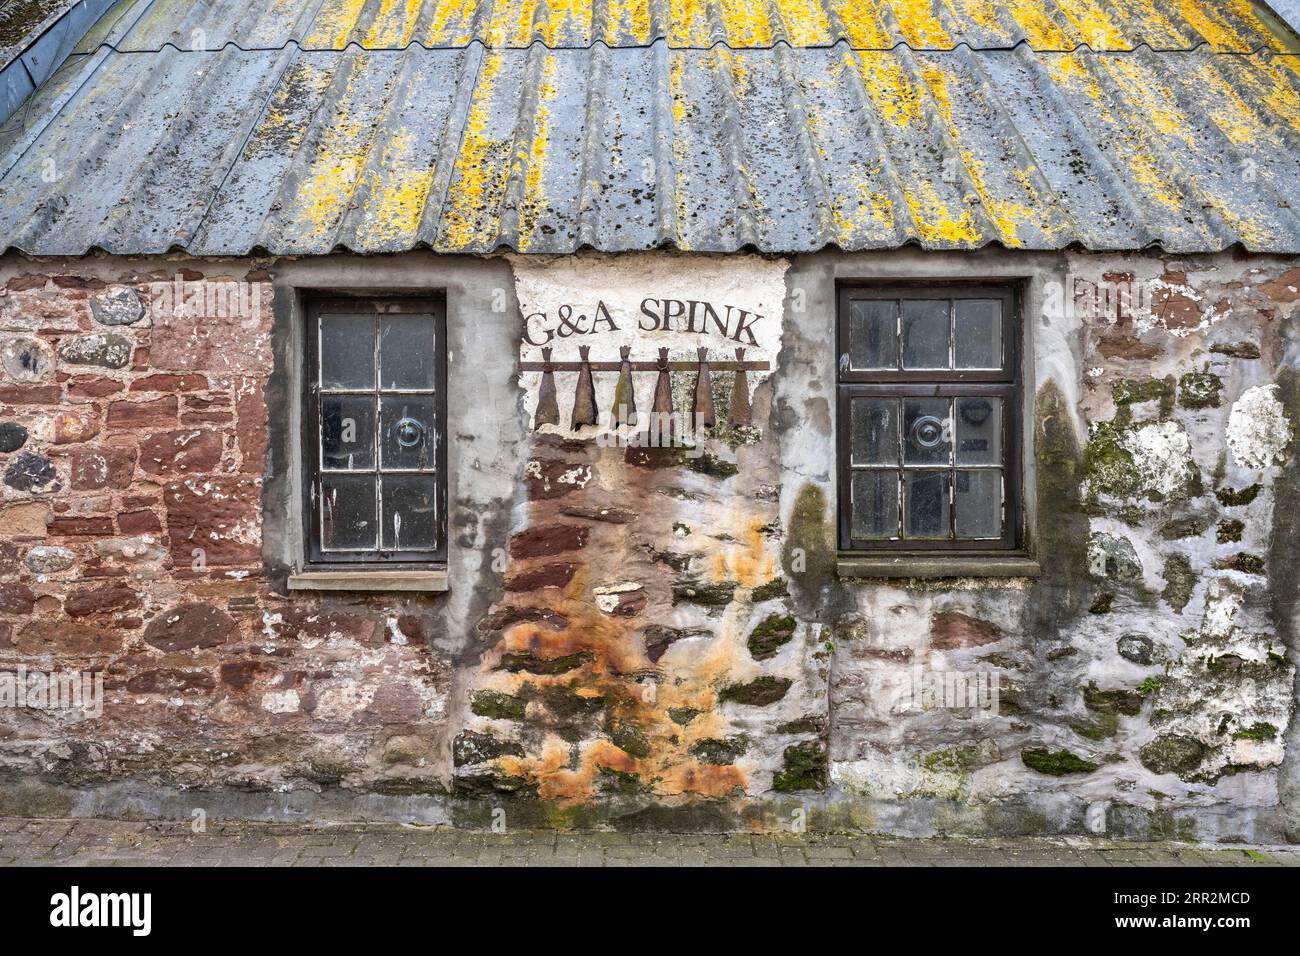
<point>327,189</point>
<point>628,22</point>
<point>1145,92</point>
<point>394,24</point>
<point>746,23</point>
<point>688,23</point>
<point>1159,31</point>
<point>862,22</point>
<point>482,166</point>
<point>896,97</point>
<point>1226,107</point>
<point>805,22</point>
<point>681,151</point>
<point>920,25</point>
<point>1007,215</point>
<point>1094,24</point>
<point>982,12</point>
<point>452,22</point>
<point>534,157</point>
<point>1215,29</point>
<point>934,220</point>
<point>1069,70</point>
<point>560,16</point>
<point>1247,11</point>
<point>334,23</point>
<point>1042,32</point>
<point>282,129</point>
<point>399,193</point>
<point>1158,99</point>
<point>1269,85</point>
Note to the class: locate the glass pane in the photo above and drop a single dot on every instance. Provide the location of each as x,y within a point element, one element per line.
<point>347,431</point>
<point>927,431</point>
<point>977,499</point>
<point>873,334</point>
<point>925,333</point>
<point>978,337</point>
<point>410,513</point>
<point>347,351</point>
<point>408,439</point>
<point>925,504</point>
<point>873,431</point>
<point>406,351</point>
<point>347,513</point>
<point>979,431</point>
<point>875,504</point>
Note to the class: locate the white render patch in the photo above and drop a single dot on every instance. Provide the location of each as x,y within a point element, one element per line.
<point>1162,454</point>
<point>280,701</point>
<point>607,598</point>
<point>1258,430</point>
<point>895,775</point>
<point>606,302</point>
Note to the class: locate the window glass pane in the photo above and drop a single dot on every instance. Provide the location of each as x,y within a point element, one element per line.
<point>977,498</point>
<point>410,513</point>
<point>874,431</point>
<point>406,351</point>
<point>347,512</point>
<point>347,351</point>
<point>925,504</point>
<point>408,439</point>
<point>925,333</point>
<point>978,339</point>
<point>875,504</point>
<point>347,431</point>
<point>979,431</point>
<point>927,431</point>
<point>873,334</point>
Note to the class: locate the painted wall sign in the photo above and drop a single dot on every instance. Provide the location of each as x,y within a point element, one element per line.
<point>600,323</point>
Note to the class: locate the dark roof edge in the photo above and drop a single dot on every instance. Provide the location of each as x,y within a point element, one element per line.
<point>27,64</point>
<point>1288,11</point>
<point>260,251</point>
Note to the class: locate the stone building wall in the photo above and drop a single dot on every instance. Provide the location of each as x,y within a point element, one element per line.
<point>657,637</point>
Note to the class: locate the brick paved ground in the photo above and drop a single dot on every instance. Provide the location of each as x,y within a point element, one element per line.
<point>105,842</point>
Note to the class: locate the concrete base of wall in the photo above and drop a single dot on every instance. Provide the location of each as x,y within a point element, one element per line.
<point>1038,814</point>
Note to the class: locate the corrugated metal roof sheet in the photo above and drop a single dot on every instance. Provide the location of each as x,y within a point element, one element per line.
<point>1223,25</point>
<point>782,149</point>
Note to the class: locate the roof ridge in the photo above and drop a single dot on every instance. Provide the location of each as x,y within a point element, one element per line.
<point>842,42</point>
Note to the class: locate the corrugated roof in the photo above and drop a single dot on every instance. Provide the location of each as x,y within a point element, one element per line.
<point>1223,25</point>
<point>780,148</point>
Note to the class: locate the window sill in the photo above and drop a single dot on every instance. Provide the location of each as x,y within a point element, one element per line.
<point>368,580</point>
<point>854,565</point>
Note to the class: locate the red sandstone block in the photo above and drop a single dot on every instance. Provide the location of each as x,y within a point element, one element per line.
<point>186,451</point>
<point>250,431</point>
<point>165,382</point>
<point>220,515</point>
<point>104,467</point>
<point>138,522</point>
<point>548,539</point>
<point>125,415</point>
<point>31,395</point>
<point>113,597</point>
<point>73,527</point>
<point>90,388</point>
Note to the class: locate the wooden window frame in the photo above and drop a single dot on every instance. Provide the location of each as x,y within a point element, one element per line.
<point>378,560</point>
<point>1005,383</point>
